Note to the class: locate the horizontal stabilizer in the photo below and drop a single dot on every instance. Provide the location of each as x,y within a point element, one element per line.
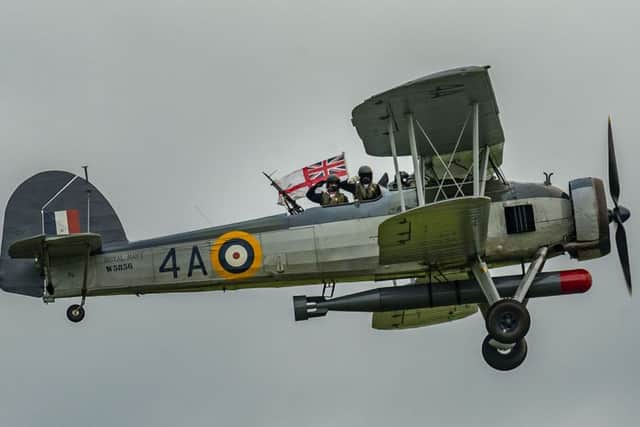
<point>56,246</point>
<point>419,317</point>
<point>445,234</point>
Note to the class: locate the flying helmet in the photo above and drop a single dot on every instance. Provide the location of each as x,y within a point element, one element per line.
<point>404,179</point>
<point>366,174</point>
<point>332,183</point>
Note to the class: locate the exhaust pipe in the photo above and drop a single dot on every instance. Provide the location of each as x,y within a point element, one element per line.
<point>440,294</point>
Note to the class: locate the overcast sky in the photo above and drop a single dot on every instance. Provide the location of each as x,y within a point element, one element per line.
<point>178,106</point>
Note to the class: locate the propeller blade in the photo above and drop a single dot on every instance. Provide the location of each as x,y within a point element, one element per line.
<point>614,182</point>
<point>623,253</point>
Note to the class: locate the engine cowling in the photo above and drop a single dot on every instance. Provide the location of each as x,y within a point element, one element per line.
<point>590,218</point>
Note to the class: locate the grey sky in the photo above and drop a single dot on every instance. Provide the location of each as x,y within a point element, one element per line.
<point>177,104</point>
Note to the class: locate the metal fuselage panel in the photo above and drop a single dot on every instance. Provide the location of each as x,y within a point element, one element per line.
<point>341,251</point>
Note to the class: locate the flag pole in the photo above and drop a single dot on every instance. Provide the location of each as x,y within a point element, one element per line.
<point>292,207</point>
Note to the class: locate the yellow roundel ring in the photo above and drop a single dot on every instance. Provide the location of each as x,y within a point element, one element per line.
<point>236,255</point>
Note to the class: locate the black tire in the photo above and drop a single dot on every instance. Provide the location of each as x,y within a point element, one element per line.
<point>504,361</point>
<point>75,313</point>
<point>508,321</point>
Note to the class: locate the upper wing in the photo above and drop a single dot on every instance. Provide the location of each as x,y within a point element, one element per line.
<point>441,104</point>
<point>443,234</point>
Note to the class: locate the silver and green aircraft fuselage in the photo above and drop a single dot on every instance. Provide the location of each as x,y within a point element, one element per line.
<point>322,245</point>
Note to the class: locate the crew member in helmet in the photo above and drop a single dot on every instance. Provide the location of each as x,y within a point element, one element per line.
<point>332,196</point>
<point>365,188</point>
<point>405,180</point>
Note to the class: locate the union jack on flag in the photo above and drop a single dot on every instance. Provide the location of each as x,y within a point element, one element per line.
<point>321,170</point>
<point>298,182</point>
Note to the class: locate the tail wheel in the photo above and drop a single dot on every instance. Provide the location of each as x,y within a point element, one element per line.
<point>504,360</point>
<point>508,321</point>
<point>75,313</point>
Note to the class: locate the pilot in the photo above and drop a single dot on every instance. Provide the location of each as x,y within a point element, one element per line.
<point>365,188</point>
<point>404,180</point>
<point>332,196</point>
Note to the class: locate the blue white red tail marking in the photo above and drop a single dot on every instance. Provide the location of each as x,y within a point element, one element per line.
<point>62,222</point>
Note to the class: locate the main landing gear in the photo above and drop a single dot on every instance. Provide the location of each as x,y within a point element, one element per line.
<point>504,359</point>
<point>507,319</point>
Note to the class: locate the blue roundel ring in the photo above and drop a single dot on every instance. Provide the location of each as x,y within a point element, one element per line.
<point>236,255</point>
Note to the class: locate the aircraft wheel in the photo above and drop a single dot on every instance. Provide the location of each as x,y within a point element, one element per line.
<point>508,321</point>
<point>75,313</point>
<point>504,360</point>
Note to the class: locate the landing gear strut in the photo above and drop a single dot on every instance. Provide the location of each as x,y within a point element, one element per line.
<point>76,312</point>
<point>507,319</point>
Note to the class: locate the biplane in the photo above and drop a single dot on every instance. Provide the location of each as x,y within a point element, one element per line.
<point>460,218</point>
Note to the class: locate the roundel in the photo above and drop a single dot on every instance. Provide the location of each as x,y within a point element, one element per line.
<point>236,255</point>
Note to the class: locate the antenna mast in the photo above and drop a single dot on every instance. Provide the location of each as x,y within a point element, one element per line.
<point>86,178</point>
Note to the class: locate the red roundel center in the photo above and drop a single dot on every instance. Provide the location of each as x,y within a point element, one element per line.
<point>236,255</point>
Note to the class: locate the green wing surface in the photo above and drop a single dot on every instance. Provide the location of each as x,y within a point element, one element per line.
<point>419,317</point>
<point>443,234</point>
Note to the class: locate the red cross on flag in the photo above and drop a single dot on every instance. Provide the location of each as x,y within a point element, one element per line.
<point>297,183</point>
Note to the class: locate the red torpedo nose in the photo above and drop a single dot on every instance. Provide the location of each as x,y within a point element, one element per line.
<point>575,281</point>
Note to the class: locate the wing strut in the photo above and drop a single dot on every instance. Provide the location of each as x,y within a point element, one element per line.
<point>444,164</point>
<point>394,153</point>
<point>417,172</point>
<point>478,167</point>
<point>485,162</point>
<point>476,149</point>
